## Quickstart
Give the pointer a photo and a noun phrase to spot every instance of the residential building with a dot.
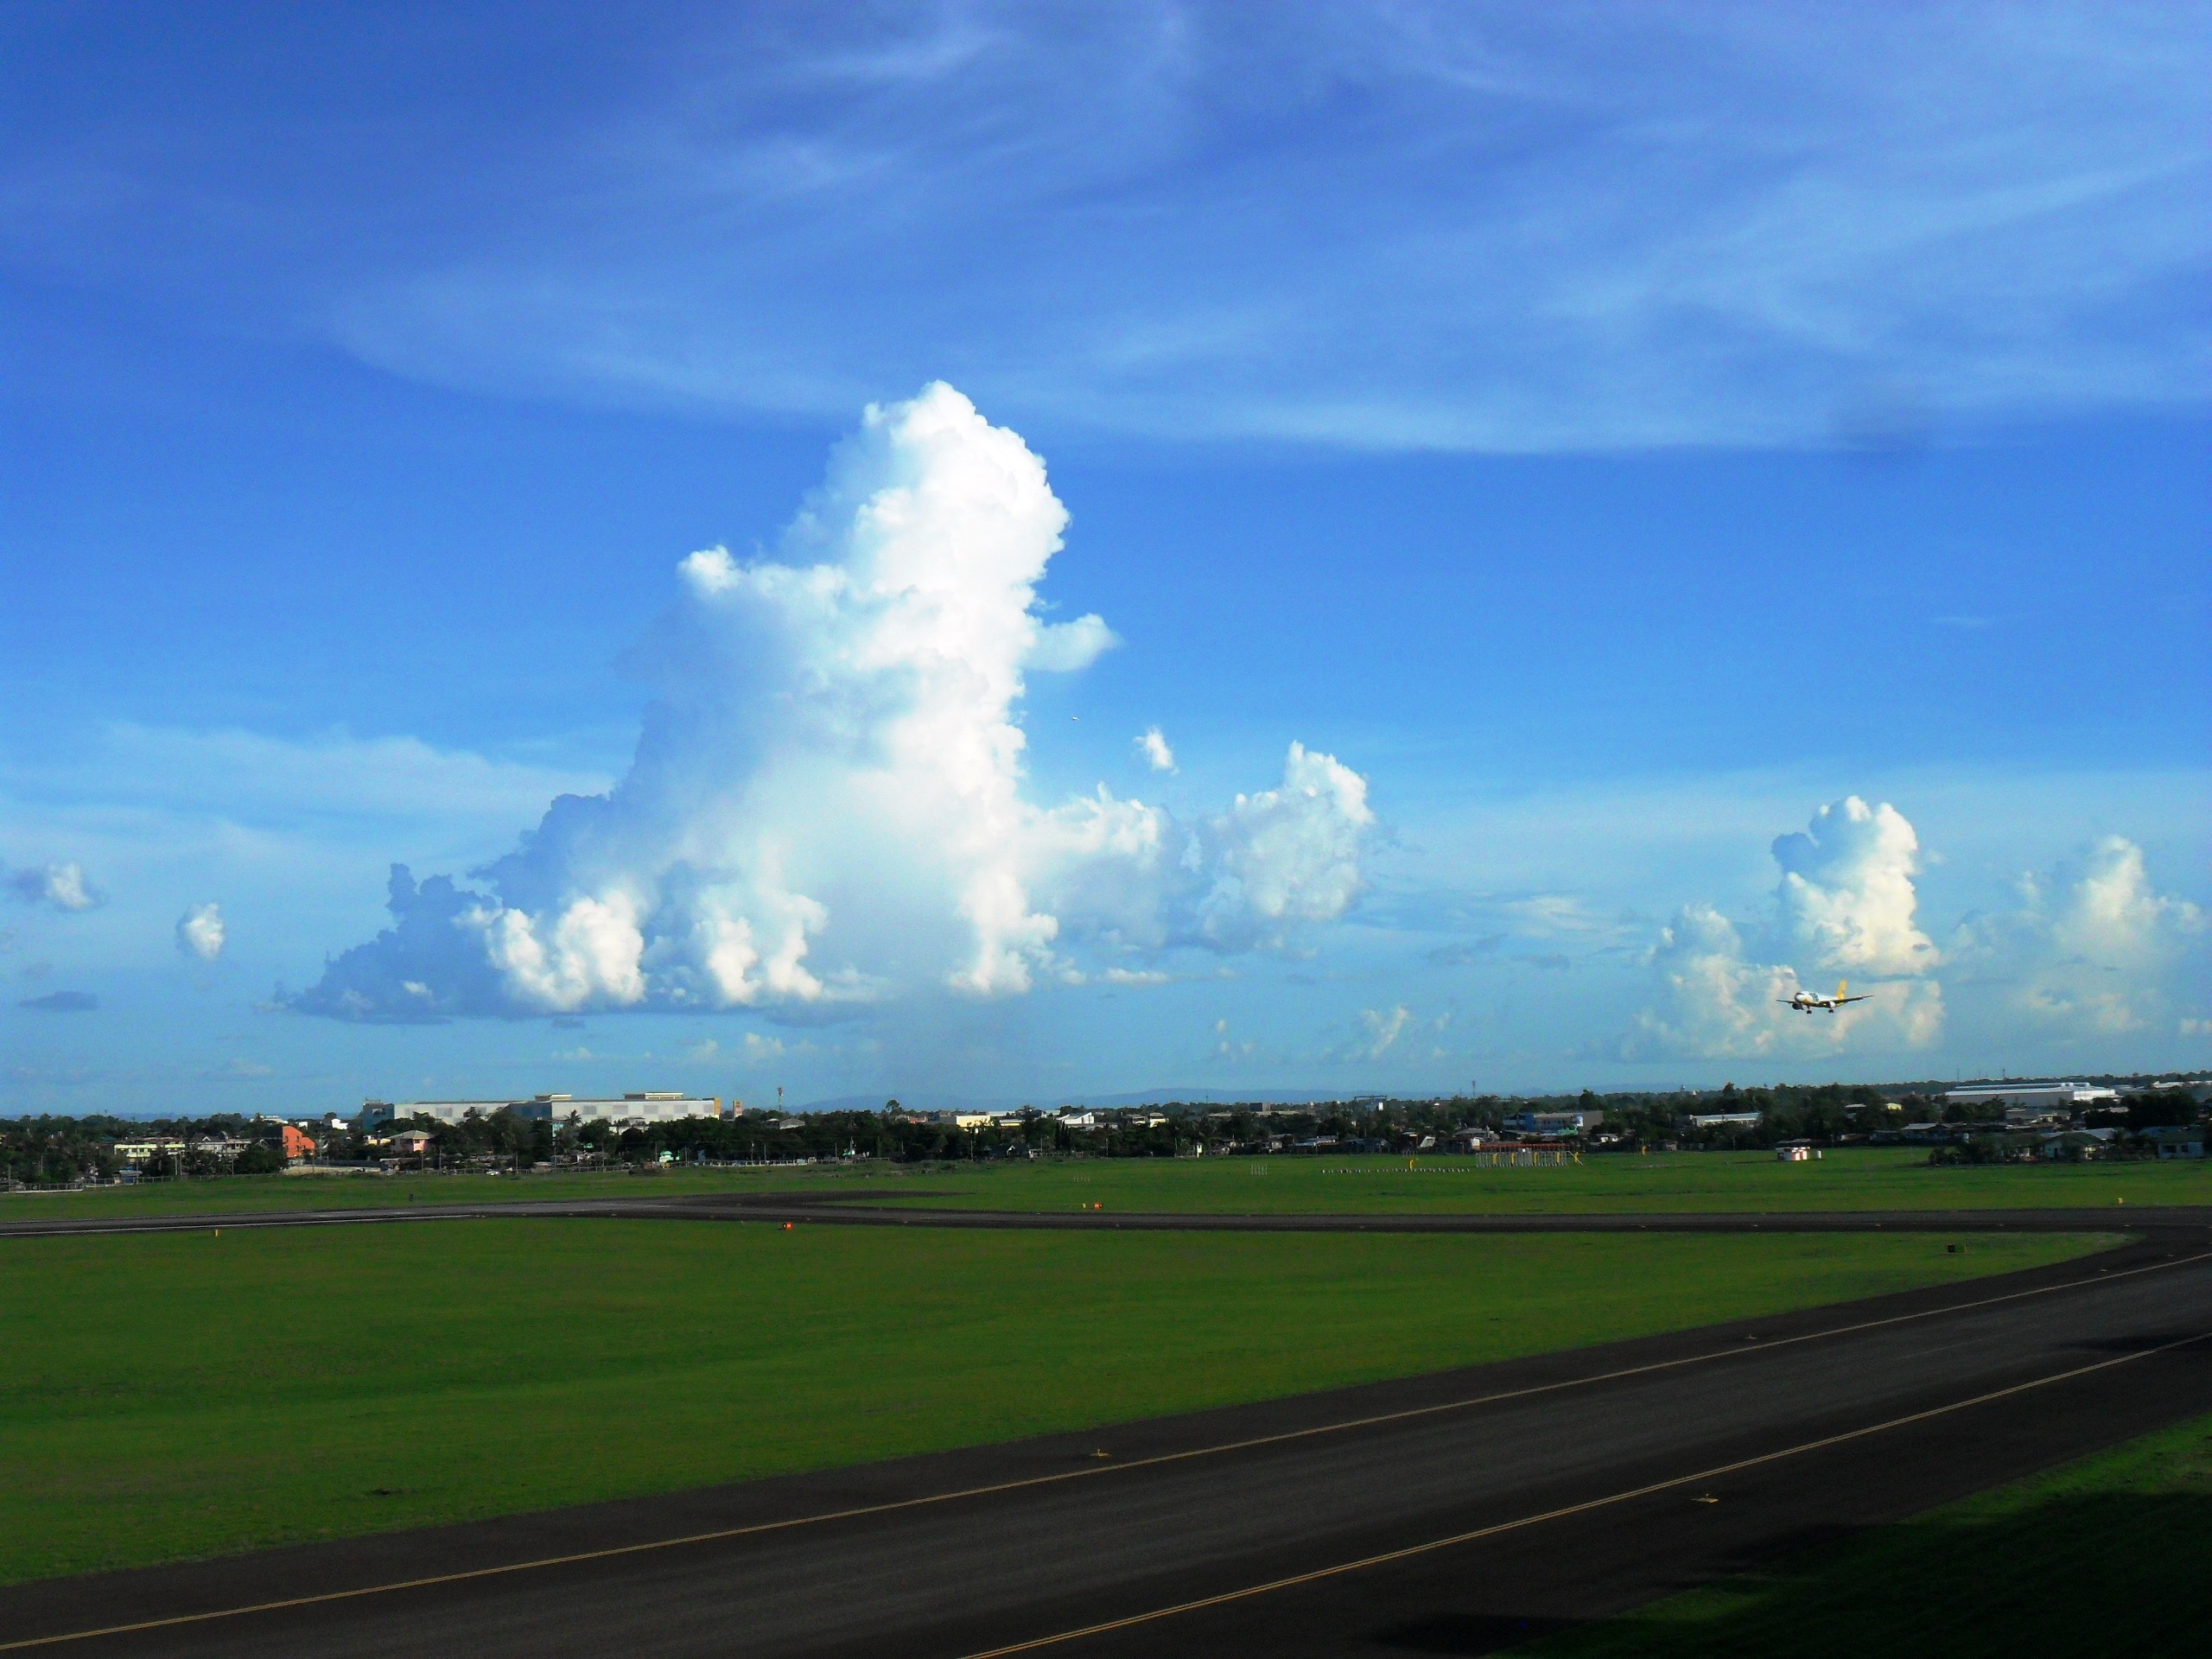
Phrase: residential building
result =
(2187, 1142)
(135, 1152)
(2078, 1144)
(221, 1147)
(1925, 1135)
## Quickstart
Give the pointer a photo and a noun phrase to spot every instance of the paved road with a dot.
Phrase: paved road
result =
(1449, 1513)
(872, 1209)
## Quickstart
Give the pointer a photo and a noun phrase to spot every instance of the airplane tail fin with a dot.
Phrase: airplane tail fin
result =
(1842, 987)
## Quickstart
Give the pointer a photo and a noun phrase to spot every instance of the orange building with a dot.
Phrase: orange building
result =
(296, 1146)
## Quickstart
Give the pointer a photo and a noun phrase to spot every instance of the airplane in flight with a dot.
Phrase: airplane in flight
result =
(1806, 1002)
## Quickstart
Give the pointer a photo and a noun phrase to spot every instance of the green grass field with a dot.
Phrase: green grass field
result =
(185, 1394)
(2103, 1556)
(1850, 1179)
(1602, 1183)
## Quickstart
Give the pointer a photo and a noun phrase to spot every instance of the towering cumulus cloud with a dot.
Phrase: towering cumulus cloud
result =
(1845, 905)
(1846, 897)
(826, 804)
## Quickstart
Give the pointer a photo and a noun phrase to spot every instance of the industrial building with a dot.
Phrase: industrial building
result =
(629, 1108)
(1549, 1126)
(2033, 1099)
(375, 1113)
(648, 1107)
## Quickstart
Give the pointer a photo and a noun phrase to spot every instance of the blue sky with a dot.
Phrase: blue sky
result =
(1608, 442)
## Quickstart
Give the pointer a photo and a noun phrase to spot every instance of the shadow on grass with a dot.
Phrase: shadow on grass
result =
(2101, 1573)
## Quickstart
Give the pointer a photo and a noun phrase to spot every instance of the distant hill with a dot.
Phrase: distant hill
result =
(917, 1101)
(1208, 1096)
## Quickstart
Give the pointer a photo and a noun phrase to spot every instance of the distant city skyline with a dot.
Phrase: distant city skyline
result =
(974, 556)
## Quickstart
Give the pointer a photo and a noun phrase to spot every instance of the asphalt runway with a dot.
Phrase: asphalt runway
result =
(1454, 1514)
(879, 1210)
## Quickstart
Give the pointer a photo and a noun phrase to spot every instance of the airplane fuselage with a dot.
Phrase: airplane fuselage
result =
(1806, 1002)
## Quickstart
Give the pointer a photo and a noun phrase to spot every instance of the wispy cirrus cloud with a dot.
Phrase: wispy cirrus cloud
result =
(1515, 229)
(258, 778)
(1395, 224)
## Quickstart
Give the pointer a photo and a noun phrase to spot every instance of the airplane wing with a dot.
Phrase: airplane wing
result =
(1840, 1001)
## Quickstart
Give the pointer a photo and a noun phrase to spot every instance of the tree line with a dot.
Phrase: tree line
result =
(49, 1150)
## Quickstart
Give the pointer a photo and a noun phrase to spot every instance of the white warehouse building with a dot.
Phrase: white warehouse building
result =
(629, 1108)
(2033, 1097)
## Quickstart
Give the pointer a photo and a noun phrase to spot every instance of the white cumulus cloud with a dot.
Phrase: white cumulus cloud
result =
(1846, 896)
(201, 933)
(1136, 976)
(2093, 948)
(60, 886)
(1153, 745)
(1845, 904)
(826, 805)
(1289, 855)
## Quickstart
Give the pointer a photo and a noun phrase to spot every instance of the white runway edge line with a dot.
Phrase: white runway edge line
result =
(1094, 1472)
(1700, 1477)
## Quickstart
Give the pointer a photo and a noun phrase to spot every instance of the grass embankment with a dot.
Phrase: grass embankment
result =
(1603, 1183)
(183, 1395)
(2103, 1556)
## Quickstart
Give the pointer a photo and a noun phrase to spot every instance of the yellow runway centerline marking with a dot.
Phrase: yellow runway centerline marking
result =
(1100, 1470)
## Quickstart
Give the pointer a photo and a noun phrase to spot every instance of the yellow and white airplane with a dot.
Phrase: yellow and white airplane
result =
(1806, 1002)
